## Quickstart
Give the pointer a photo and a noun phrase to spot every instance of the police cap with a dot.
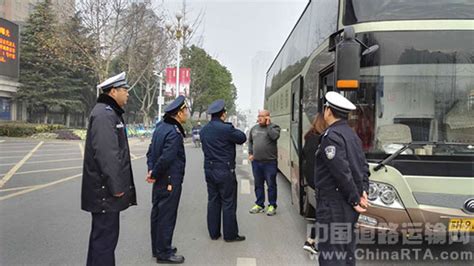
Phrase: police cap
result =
(117, 81)
(176, 105)
(216, 106)
(339, 102)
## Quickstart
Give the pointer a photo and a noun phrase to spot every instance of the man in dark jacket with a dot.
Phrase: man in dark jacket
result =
(107, 181)
(342, 182)
(218, 144)
(166, 161)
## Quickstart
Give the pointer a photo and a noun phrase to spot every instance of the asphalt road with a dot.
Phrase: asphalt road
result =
(41, 222)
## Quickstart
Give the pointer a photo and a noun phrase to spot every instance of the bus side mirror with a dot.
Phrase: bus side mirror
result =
(348, 61)
(348, 57)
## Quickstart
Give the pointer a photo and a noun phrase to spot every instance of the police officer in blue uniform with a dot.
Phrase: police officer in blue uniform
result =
(107, 178)
(166, 161)
(341, 182)
(218, 144)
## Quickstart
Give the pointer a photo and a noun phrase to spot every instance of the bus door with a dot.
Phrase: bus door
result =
(296, 143)
(326, 83)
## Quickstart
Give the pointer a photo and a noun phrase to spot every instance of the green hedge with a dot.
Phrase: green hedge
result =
(19, 129)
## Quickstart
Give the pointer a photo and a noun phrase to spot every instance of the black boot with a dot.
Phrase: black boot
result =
(174, 259)
(237, 239)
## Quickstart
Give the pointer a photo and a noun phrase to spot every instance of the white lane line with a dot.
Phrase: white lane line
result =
(54, 161)
(16, 188)
(245, 162)
(41, 155)
(67, 150)
(10, 157)
(244, 186)
(246, 262)
(47, 161)
(59, 154)
(2, 140)
(49, 170)
(56, 153)
(8, 144)
(18, 165)
(15, 151)
(81, 147)
(39, 187)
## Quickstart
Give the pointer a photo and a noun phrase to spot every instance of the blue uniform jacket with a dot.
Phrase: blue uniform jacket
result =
(341, 164)
(166, 157)
(218, 142)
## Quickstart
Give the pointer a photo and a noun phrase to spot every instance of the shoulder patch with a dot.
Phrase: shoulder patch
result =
(330, 152)
(108, 108)
(177, 129)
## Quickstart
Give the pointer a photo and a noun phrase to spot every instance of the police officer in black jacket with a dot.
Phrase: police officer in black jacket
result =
(218, 144)
(341, 182)
(107, 179)
(166, 161)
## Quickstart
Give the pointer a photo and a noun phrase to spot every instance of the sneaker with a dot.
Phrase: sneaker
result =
(256, 209)
(311, 248)
(271, 210)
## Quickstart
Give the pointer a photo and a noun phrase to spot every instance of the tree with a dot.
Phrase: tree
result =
(209, 80)
(44, 78)
(81, 74)
(148, 52)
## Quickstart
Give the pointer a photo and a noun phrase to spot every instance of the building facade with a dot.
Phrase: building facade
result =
(14, 14)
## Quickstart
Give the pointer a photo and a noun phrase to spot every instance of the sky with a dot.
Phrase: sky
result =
(234, 31)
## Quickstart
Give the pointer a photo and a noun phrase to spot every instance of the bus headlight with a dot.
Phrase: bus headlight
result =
(388, 196)
(384, 195)
(373, 191)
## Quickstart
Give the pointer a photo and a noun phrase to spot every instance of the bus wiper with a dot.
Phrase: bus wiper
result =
(391, 157)
(399, 151)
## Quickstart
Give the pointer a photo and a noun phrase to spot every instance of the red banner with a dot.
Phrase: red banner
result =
(184, 81)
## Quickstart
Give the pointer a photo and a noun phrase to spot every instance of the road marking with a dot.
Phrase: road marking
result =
(59, 154)
(55, 153)
(47, 161)
(71, 149)
(17, 144)
(244, 186)
(2, 140)
(39, 187)
(18, 165)
(49, 170)
(16, 188)
(246, 262)
(245, 162)
(134, 157)
(42, 155)
(54, 161)
(10, 157)
(139, 157)
(81, 147)
(15, 151)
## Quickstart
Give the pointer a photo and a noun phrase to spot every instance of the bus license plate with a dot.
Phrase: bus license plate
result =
(462, 225)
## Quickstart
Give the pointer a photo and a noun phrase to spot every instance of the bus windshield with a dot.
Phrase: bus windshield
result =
(356, 11)
(417, 90)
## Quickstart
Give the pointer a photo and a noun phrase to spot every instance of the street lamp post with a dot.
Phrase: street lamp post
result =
(178, 32)
(160, 99)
